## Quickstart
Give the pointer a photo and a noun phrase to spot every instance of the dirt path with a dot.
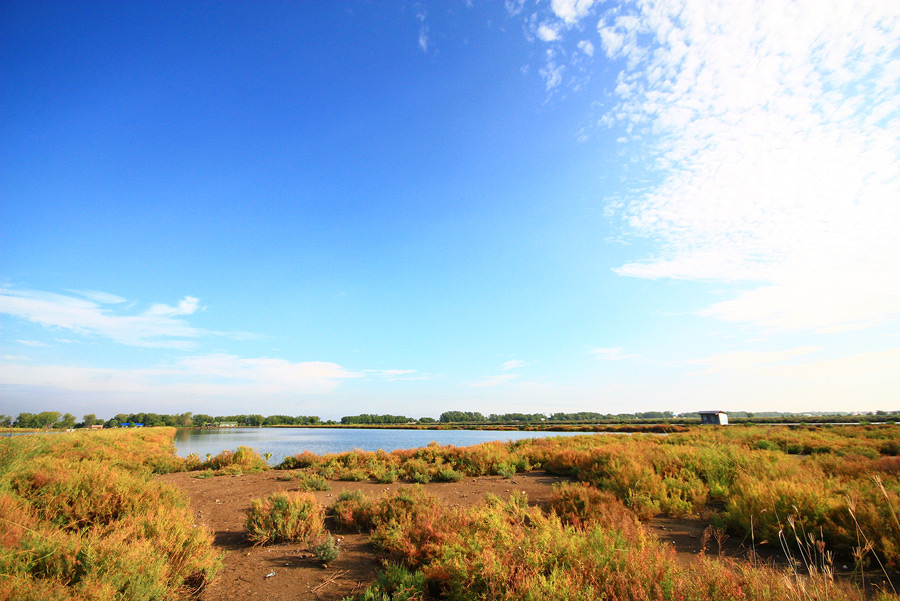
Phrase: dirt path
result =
(220, 503)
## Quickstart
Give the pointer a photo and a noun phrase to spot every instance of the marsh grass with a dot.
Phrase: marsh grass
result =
(820, 493)
(747, 479)
(82, 518)
(510, 550)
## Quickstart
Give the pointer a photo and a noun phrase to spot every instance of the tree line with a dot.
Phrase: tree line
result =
(47, 420)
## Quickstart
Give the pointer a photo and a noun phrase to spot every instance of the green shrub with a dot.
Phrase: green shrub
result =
(449, 475)
(396, 583)
(387, 476)
(243, 460)
(506, 469)
(285, 516)
(308, 482)
(326, 550)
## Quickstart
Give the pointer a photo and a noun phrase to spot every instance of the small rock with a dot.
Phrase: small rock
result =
(270, 574)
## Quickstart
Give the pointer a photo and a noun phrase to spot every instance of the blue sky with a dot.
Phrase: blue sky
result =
(346, 207)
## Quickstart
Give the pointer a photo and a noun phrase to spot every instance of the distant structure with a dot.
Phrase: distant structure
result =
(95, 427)
(716, 418)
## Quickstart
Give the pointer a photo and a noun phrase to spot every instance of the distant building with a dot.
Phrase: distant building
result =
(717, 418)
(96, 427)
(227, 424)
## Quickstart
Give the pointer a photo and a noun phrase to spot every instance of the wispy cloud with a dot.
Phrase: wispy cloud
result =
(745, 360)
(492, 381)
(423, 30)
(587, 47)
(513, 364)
(32, 343)
(160, 326)
(214, 374)
(775, 134)
(612, 353)
(396, 375)
(101, 297)
(552, 72)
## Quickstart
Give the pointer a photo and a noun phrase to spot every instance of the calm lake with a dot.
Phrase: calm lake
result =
(282, 442)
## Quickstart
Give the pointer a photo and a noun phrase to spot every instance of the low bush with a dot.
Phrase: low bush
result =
(308, 482)
(285, 516)
(242, 460)
(354, 511)
(327, 549)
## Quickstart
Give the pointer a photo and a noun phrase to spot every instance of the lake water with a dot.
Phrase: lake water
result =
(282, 442)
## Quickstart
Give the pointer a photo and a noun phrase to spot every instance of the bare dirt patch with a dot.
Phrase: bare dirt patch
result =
(288, 571)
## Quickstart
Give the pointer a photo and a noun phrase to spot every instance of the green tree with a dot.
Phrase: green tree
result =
(25, 420)
(67, 421)
(46, 419)
(89, 420)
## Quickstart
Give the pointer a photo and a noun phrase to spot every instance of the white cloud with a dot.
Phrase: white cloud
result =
(612, 353)
(547, 33)
(492, 381)
(587, 47)
(571, 11)
(775, 131)
(33, 343)
(552, 72)
(745, 360)
(187, 306)
(513, 364)
(158, 327)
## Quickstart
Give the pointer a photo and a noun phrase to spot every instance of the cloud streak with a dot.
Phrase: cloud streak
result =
(160, 326)
(201, 375)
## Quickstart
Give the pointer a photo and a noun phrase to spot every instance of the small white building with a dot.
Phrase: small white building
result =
(716, 418)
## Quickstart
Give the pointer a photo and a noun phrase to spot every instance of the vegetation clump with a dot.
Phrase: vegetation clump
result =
(83, 518)
(242, 460)
(285, 516)
(326, 550)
